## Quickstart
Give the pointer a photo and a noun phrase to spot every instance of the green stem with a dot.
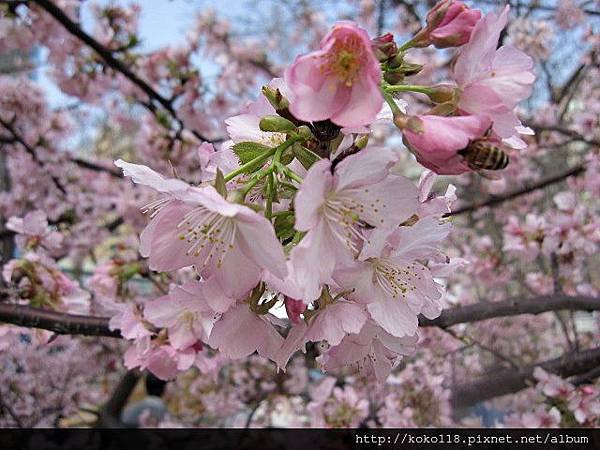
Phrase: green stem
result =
(255, 179)
(406, 46)
(250, 164)
(270, 189)
(288, 172)
(282, 213)
(390, 101)
(260, 159)
(408, 88)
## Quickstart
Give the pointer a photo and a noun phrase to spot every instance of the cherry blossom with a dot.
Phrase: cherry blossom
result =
(338, 82)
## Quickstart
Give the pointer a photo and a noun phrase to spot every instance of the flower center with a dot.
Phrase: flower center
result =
(343, 213)
(393, 278)
(345, 59)
(210, 234)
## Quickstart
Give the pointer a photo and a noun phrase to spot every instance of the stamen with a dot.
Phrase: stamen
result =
(395, 280)
(210, 235)
(345, 59)
(155, 206)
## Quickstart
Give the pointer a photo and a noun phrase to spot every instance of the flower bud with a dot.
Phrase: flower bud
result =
(410, 123)
(362, 141)
(276, 123)
(443, 93)
(450, 23)
(275, 98)
(440, 139)
(384, 47)
(304, 132)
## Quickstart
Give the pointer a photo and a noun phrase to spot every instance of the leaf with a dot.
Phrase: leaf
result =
(220, 184)
(305, 156)
(247, 151)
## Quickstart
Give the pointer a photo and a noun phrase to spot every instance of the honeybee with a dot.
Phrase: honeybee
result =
(482, 154)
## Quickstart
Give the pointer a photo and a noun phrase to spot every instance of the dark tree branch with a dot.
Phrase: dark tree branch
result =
(96, 167)
(493, 201)
(110, 413)
(576, 136)
(17, 138)
(59, 323)
(509, 381)
(116, 64)
(513, 307)
(587, 377)
(381, 17)
(62, 323)
(29, 149)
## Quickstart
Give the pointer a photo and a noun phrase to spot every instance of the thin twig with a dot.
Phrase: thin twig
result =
(116, 64)
(496, 200)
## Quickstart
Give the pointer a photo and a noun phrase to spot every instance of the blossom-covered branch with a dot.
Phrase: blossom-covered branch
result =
(15, 137)
(116, 64)
(507, 381)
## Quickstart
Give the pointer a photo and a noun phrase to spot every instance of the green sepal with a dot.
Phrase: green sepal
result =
(220, 184)
(305, 156)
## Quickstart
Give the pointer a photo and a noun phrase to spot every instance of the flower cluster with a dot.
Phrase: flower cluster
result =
(565, 405)
(299, 210)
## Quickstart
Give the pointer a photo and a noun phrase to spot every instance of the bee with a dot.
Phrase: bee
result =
(482, 154)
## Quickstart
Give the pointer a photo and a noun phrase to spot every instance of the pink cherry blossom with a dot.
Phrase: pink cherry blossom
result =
(493, 82)
(388, 279)
(240, 332)
(332, 209)
(33, 230)
(336, 407)
(163, 361)
(373, 352)
(431, 205)
(197, 226)
(129, 322)
(330, 323)
(339, 82)
(185, 313)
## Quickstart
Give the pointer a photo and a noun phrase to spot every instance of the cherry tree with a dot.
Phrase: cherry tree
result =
(340, 217)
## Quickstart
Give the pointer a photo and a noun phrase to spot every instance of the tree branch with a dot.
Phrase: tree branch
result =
(96, 167)
(29, 149)
(116, 64)
(17, 138)
(63, 323)
(59, 323)
(493, 201)
(110, 414)
(508, 381)
(575, 135)
(512, 307)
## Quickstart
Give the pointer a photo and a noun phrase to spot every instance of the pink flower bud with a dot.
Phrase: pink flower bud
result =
(450, 23)
(294, 308)
(384, 47)
(437, 143)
